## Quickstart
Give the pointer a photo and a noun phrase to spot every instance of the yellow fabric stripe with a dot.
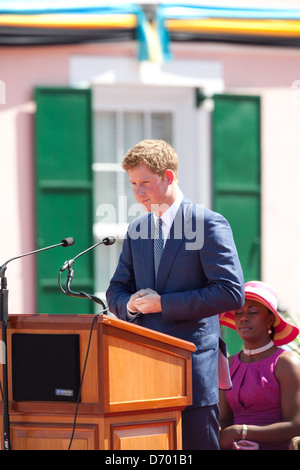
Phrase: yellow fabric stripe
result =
(70, 21)
(254, 27)
(154, 46)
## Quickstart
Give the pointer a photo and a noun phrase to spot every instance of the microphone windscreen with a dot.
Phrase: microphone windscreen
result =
(69, 241)
(109, 240)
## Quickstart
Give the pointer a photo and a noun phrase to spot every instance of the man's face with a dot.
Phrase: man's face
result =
(149, 189)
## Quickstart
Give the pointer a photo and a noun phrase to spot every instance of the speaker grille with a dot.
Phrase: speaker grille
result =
(45, 367)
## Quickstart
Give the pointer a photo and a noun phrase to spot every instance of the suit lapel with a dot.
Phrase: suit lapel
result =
(174, 242)
(180, 228)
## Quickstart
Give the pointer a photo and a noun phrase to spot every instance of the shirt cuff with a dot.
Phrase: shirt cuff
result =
(130, 314)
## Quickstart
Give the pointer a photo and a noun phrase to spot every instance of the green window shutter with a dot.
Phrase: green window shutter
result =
(236, 180)
(64, 195)
(236, 174)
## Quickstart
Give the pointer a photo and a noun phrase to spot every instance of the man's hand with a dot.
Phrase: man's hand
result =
(145, 301)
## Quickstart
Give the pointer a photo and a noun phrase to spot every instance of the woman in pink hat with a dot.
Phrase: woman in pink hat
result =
(262, 410)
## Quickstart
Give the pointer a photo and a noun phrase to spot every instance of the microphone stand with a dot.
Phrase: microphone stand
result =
(83, 295)
(69, 265)
(4, 320)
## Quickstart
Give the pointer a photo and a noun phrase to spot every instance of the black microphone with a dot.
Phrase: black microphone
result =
(106, 241)
(69, 241)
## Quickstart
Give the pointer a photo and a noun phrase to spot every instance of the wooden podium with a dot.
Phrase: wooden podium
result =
(136, 384)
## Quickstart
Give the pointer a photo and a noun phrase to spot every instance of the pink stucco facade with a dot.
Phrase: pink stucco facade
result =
(271, 73)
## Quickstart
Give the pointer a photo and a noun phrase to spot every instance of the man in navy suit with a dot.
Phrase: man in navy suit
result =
(199, 277)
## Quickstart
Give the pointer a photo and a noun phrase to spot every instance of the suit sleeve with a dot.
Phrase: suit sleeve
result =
(224, 287)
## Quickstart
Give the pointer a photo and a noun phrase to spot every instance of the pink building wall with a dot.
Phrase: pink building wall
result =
(268, 72)
(22, 70)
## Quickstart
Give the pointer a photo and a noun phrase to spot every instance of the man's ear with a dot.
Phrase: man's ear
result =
(169, 175)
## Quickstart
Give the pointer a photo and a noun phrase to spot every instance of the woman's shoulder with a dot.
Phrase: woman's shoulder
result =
(288, 365)
(289, 357)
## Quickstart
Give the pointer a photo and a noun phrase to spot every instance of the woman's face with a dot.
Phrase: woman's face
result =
(253, 322)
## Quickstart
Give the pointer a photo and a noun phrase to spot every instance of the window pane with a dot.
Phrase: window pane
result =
(133, 129)
(114, 200)
(105, 143)
(161, 126)
(131, 201)
(106, 261)
(115, 134)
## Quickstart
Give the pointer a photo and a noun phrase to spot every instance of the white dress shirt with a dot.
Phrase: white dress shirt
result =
(167, 219)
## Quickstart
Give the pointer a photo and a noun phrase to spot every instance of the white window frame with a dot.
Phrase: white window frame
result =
(178, 101)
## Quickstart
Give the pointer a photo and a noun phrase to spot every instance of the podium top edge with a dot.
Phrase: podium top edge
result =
(148, 333)
(80, 321)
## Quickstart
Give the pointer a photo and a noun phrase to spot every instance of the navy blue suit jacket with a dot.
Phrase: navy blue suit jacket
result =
(199, 277)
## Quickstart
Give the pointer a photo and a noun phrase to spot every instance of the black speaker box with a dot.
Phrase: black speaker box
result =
(45, 367)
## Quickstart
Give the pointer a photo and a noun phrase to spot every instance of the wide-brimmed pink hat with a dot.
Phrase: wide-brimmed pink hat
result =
(285, 332)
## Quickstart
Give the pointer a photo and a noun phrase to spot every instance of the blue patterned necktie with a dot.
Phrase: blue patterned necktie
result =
(158, 244)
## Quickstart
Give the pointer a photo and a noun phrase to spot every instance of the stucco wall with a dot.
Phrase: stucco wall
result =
(268, 72)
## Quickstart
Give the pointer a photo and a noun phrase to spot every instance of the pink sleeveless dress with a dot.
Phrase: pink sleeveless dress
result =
(255, 395)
